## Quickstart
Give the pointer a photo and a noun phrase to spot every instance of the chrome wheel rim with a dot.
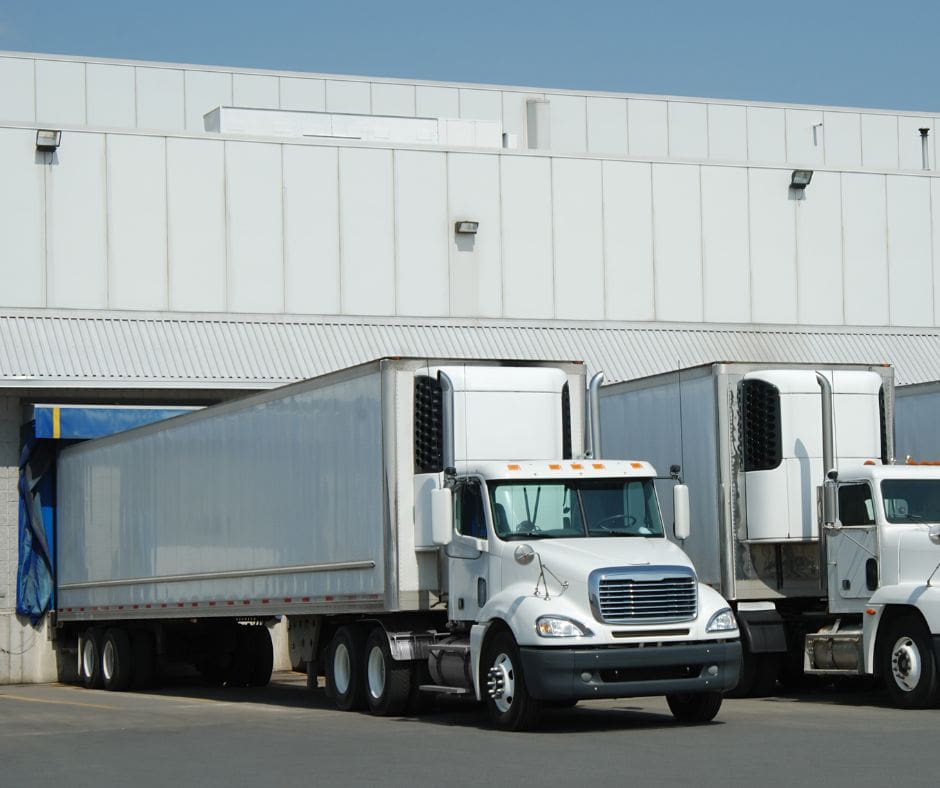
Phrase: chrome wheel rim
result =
(88, 658)
(502, 682)
(341, 668)
(906, 664)
(376, 672)
(107, 661)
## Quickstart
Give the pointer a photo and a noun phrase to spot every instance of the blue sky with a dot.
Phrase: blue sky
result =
(840, 52)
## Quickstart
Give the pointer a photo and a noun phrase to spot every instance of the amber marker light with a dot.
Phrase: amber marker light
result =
(598, 466)
(514, 467)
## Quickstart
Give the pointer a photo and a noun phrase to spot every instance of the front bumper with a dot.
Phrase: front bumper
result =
(621, 672)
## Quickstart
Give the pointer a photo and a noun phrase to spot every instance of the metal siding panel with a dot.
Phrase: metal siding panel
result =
(17, 90)
(727, 133)
(60, 92)
(568, 123)
(367, 234)
(866, 264)
(255, 90)
(628, 241)
(160, 102)
(348, 96)
(773, 247)
(480, 104)
(311, 230)
(607, 125)
(137, 259)
(434, 102)
(255, 227)
(688, 130)
(935, 244)
(204, 91)
(392, 99)
(111, 99)
(196, 224)
(578, 239)
(528, 268)
(422, 233)
(473, 192)
(677, 242)
(307, 95)
(514, 114)
(819, 251)
(804, 148)
(22, 225)
(76, 215)
(910, 264)
(725, 259)
(880, 141)
(766, 135)
(647, 128)
(910, 149)
(842, 133)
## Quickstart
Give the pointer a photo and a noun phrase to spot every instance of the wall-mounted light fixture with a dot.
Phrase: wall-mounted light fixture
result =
(466, 227)
(800, 179)
(48, 139)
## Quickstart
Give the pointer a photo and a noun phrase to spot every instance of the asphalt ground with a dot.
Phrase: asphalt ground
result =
(186, 734)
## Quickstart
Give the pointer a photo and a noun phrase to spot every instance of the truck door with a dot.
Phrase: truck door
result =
(467, 554)
(852, 549)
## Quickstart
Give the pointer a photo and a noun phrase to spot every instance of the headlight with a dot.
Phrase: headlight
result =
(722, 621)
(559, 627)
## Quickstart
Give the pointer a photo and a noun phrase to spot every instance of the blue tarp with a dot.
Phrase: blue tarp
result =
(52, 428)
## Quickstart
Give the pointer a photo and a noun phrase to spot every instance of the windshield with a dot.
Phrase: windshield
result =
(911, 500)
(575, 508)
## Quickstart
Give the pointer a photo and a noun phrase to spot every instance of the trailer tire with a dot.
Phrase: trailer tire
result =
(262, 656)
(908, 663)
(90, 659)
(344, 667)
(510, 706)
(387, 680)
(116, 660)
(143, 655)
(694, 708)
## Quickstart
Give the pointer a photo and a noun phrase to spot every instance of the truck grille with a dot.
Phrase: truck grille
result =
(643, 594)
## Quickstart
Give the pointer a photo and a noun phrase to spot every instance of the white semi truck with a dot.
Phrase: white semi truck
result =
(828, 552)
(427, 526)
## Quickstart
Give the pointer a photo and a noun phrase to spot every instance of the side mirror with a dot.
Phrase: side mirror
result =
(442, 515)
(680, 508)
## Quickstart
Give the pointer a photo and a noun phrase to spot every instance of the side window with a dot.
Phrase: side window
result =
(469, 515)
(855, 505)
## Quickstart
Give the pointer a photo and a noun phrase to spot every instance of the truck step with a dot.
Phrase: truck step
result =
(443, 690)
(450, 648)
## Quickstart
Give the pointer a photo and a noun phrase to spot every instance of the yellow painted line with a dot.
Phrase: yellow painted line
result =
(56, 422)
(57, 702)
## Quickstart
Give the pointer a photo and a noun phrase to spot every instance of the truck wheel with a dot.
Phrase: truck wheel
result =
(90, 659)
(388, 681)
(908, 664)
(143, 655)
(694, 707)
(344, 663)
(262, 653)
(759, 673)
(508, 701)
(116, 660)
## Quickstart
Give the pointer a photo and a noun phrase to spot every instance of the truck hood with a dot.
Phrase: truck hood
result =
(577, 558)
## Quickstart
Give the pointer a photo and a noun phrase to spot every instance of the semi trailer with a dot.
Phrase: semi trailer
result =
(917, 422)
(428, 527)
(827, 550)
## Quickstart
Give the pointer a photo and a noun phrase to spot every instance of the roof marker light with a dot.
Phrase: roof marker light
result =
(869, 462)
(554, 466)
(598, 466)
(576, 466)
(513, 467)
(636, 464)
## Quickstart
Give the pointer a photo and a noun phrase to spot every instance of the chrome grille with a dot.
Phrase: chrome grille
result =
(644, 594)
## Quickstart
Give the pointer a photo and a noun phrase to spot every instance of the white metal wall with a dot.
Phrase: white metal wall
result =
(153, 222)
(58, 90)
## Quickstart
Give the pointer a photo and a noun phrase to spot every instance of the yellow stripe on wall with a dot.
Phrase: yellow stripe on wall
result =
(56, 423)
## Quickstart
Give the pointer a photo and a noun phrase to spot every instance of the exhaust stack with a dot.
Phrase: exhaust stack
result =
(593, 442)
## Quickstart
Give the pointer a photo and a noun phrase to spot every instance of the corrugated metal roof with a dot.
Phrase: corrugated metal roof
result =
(55, 349)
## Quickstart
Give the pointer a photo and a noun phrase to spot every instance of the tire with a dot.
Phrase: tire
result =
(758, 679)
(116, 660)
(510, 706)
(144, 656)
(908, 663)
(694, 708)
(262, 656)
(387, 681)
(241, 660)
(344, 668)
(90, 659)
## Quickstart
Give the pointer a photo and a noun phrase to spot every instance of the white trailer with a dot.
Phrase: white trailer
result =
(426, 525)
(841, 583)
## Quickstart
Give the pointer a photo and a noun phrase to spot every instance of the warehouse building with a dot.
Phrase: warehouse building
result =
(180, 234)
